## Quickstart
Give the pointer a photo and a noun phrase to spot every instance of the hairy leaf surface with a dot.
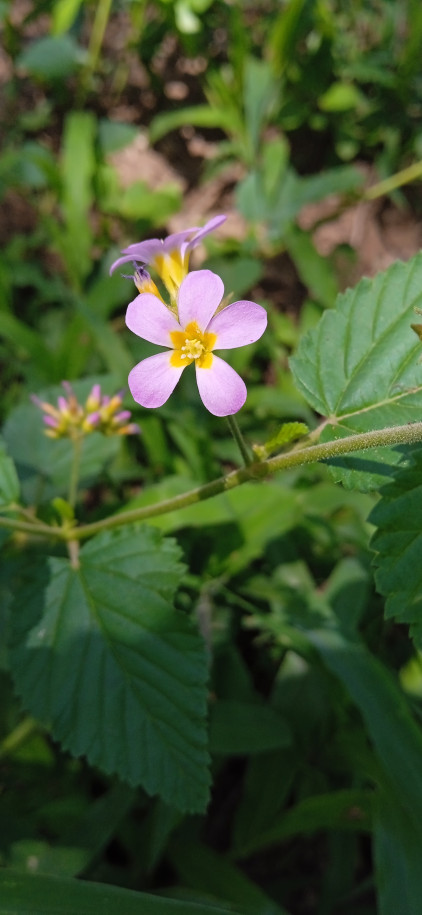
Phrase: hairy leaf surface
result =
(360, 368)
(102, 657)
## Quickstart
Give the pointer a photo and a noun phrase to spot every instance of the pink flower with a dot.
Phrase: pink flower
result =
(168, 256)
(193, 338)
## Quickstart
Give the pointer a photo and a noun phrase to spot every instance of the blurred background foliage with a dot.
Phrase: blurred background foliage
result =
(259, 109)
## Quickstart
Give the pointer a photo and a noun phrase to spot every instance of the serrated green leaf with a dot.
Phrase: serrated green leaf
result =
(41, 895)
(360, 368)
(398, 544)
(101, 656)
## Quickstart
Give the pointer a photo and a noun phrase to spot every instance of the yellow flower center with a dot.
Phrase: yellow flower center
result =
(192, 345)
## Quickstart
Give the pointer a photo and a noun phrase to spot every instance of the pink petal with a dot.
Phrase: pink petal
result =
(200, 294)
(150, 319)
(152, 381)
(145, 251)
(238, 324)
(221, 389)
(177, 240)
(209, 226)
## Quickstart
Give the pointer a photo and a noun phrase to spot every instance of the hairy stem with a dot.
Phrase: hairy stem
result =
(396, 435)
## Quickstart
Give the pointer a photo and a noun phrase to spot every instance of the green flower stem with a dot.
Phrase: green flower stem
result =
(240, 441)
(405, 176)
(74, 470)
(396, 435)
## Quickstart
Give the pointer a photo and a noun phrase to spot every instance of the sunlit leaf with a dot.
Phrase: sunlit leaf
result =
(360, 368)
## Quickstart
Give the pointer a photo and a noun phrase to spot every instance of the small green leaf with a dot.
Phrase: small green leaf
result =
(198, 116)
(289, 432)
(342, 97)
(115, 135)
(398, 544)
(360, 368)
(52, 57)
(101, 657)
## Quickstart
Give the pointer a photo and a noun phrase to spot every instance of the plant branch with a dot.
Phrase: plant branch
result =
(410, 433)
(396, 435)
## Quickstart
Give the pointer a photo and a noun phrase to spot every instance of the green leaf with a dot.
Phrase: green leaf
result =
(211, 873)
(101, 656)
(360, 368)
(115, 135)
(288, 432)
(395, 735)
(52, 57)
(239, 728)
(40, 895)
(77, 171)
(397, 845)
(342, 97)
(63, 14)
(9, 482)
(398, 544)
(348, 809)
(197, 115)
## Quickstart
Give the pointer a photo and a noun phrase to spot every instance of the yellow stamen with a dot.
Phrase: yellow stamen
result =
(192, 345)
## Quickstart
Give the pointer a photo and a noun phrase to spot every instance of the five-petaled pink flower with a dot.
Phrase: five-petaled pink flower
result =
(193, 338)
(169, 256)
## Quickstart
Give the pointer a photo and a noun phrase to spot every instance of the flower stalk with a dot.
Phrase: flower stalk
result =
(240, 441)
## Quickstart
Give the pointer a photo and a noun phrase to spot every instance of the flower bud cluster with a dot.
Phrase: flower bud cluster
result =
(99, 413)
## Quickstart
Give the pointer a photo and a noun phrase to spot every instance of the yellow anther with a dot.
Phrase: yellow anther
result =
(192, 349)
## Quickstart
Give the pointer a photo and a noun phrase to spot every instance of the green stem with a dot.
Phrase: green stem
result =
(405, 176)
(97, 36)
(240, 441)
(410, 433)
(18, 737)
(397, 435)
(74, 471)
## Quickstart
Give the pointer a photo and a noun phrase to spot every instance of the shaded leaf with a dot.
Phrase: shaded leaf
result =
(101, 656)
(246, 728)
(398, 543)
(40, 895)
